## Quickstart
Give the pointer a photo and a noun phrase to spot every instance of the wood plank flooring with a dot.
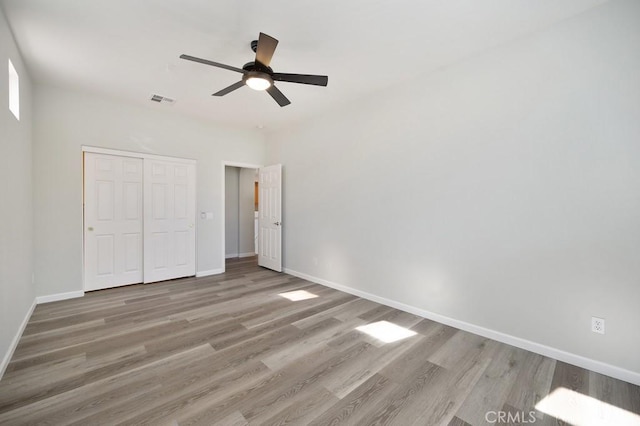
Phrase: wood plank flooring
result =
(228, 350)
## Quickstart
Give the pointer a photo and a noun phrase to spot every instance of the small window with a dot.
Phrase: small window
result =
(14, 91)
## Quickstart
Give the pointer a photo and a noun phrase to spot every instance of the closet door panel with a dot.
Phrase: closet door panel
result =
(112, 221)
(169, 222)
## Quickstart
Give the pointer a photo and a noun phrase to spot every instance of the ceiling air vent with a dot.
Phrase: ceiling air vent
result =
(161, 99)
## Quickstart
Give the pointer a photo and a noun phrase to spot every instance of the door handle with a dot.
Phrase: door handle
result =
(277, 223)
(90, 228)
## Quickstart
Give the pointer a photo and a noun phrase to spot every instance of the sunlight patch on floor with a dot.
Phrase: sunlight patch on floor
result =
(386, 331)
(296, 295)
(578, 409)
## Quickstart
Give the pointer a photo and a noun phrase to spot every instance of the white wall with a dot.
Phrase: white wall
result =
(239, 208)
(503, 191)
(65, 120)
(17, 293)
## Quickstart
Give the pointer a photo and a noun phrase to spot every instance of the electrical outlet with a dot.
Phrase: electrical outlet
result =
(597, 325)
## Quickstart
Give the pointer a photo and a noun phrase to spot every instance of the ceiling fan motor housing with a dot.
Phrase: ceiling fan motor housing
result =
(257, 66)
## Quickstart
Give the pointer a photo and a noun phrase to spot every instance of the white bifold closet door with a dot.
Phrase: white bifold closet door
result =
(113, 221)
(139, 220)
(169, 220)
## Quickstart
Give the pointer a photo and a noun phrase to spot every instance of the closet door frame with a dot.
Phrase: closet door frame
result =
(143, 156)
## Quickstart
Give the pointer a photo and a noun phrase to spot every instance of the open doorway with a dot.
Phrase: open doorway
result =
(241, 212)
(269, 206)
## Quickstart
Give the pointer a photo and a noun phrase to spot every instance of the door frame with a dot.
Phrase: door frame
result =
(133, 154)
(223, 229)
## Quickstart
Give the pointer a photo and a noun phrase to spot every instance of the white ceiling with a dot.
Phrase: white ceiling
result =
(129, 49)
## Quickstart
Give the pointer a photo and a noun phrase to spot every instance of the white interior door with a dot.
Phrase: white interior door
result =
(113, 221)
(169, 219)
(270, 217)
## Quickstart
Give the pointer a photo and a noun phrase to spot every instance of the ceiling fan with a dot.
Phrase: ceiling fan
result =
(258, 75)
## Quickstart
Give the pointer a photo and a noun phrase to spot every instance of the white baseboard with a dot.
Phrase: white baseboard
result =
(16, 339)
(235, 255)
(209, 272)
(59, 296)
(558, 354)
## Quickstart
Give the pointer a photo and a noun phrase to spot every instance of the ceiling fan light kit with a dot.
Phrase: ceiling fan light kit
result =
(258, 75)
(257, 80)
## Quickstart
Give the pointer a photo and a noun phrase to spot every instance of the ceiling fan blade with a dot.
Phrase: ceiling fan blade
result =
(215, 64)
(278, 96)
(266, 47)
(316, 80)
(229, 89)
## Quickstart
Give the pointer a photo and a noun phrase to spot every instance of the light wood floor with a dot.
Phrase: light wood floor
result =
(228, 350)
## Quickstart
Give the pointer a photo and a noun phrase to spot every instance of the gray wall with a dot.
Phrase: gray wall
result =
(17, 293)
(239, 208)
(231, 209)
(246, 213)
(502, 191)
(65, 120)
